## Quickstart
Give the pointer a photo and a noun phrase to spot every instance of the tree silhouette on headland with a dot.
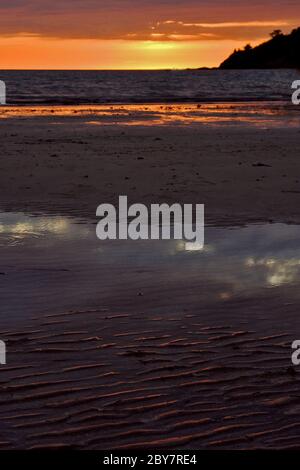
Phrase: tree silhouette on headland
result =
(281, 51)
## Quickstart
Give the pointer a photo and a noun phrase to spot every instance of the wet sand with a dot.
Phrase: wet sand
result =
(99, 380)
(241, 163)
(167, 355)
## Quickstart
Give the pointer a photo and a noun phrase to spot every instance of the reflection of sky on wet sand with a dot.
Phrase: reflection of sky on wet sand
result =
(39, 227)
(56, 262)
(254, 113)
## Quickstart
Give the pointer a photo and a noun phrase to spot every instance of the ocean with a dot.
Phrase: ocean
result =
(161, 86)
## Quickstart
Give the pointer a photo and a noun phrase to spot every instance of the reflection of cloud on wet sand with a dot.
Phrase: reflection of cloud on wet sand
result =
(277, 271)
(231, 263)
(57, 225)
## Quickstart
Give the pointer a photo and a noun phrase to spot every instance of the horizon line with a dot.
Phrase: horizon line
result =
(110, 70)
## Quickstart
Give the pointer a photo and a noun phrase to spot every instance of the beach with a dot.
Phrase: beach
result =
(150, 345)
(241, 161)
(149, 231)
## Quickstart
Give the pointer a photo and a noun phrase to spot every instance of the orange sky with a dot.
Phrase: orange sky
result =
(134, 34)
(44, 53)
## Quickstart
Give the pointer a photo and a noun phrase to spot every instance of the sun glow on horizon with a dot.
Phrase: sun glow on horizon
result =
(33, 52)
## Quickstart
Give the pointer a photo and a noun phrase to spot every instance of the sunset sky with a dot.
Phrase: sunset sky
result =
(134, 34)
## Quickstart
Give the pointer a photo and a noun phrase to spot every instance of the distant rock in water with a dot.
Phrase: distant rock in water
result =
(281, 51)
